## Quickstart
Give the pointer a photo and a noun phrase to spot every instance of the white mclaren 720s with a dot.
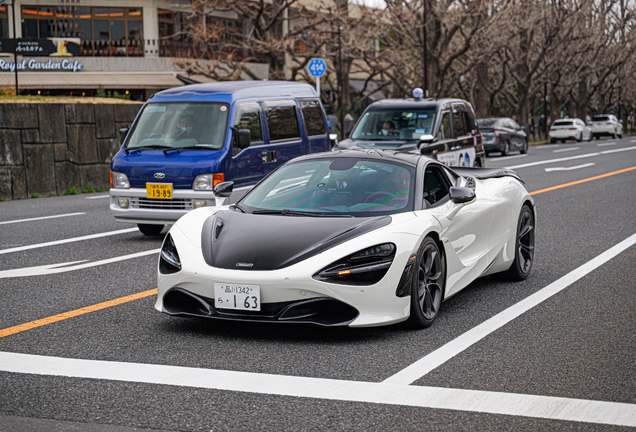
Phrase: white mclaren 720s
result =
(348, 238)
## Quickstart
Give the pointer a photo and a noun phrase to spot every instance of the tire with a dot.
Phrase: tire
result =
(591, 136)
(524, 149)
(506, 149)
(427, 286)
(552, 140)
(524, 246)
(580, 138)
(150, 230)
(614, 135)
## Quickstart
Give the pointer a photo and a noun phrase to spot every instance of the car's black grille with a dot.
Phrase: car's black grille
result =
(162, 204)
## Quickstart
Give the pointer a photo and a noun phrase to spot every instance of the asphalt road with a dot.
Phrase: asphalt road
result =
(562, 356)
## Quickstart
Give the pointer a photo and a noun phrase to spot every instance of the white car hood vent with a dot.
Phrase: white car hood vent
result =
(269, 242)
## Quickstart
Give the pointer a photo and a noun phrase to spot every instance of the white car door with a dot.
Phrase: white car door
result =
(465, 228)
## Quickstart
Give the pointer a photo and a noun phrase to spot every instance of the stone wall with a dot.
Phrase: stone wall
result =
(45, 148)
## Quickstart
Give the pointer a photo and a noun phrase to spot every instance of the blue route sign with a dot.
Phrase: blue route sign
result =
(317, 67)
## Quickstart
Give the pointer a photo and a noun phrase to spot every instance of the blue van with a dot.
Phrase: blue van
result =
(188, 141)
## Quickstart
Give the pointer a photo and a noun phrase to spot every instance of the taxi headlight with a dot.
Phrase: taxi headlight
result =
(365, 267)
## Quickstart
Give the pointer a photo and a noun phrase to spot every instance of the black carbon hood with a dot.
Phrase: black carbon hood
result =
(243, 241)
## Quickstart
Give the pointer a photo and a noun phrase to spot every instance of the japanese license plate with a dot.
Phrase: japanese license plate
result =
(241, 297)
(159, 190)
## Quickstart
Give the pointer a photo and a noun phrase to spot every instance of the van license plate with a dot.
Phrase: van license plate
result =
(241, 297)
(159, 190)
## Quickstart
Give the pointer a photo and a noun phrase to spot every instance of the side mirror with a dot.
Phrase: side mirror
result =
(460, 195)
(224, 190)
(244, 138)
(122, 133)
(334, 140)
(426, 140)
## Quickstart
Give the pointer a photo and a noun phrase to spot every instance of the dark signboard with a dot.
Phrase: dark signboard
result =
(51, 47)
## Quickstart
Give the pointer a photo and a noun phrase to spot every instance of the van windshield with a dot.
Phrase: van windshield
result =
(394, 125)
(180, 126)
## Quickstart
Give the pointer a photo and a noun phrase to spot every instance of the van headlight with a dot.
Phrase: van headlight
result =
(119, 180)
(207, 182)
(365, 267)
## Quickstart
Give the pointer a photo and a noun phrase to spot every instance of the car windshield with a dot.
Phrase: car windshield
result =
(334, 187)
(600, 118)
(394, 124)
(174, 126)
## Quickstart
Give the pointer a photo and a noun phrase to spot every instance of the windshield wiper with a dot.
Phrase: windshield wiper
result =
(236, 206)
(288, 212)
(151, 147)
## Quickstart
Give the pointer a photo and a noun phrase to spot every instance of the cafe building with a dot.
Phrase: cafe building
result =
(93, 47)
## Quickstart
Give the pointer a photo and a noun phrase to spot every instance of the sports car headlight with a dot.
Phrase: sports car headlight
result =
(169, 261)
(365, 267)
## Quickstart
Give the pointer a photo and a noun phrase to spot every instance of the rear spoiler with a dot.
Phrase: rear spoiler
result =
(485, 173)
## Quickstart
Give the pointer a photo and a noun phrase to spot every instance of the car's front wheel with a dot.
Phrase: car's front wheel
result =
(524, 149)
(152, 230)
(427, 288)
(524, 246)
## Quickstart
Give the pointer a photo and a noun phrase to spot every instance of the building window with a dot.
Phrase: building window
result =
(4, 23)
(103, 30)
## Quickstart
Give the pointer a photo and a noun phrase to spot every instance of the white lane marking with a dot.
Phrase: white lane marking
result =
(440, 356)
(632, 141)
(607, 144)
(508, 157)
(566, 149)
(98, 197)
(68, 266)
(570, 168)
(583, 156)
(69, 240)
(547, 407)
(545, 146)
(42, 218)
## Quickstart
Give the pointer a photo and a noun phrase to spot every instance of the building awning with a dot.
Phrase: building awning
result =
(93, 80)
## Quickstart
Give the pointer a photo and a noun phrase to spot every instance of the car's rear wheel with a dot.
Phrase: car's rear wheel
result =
(151, 230)
(427, 288)
(580, 137)
(524, 246)
(506, 149)
(524, 149)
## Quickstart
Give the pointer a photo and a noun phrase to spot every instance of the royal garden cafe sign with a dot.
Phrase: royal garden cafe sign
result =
(61, 48)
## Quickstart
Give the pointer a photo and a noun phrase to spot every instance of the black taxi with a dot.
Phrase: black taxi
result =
(444, 129)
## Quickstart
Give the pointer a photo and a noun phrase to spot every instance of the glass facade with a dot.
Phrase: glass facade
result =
(104, 31)
(4, 22)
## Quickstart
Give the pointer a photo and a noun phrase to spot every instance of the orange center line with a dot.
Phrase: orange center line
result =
(77, 312)
(582, 181)
(126, 299)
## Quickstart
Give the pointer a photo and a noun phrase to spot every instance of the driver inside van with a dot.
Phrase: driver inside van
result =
(186, 127)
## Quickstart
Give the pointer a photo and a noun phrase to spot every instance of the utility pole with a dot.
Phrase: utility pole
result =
(424, 50)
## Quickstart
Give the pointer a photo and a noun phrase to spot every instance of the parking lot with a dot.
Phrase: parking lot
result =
(82, 347)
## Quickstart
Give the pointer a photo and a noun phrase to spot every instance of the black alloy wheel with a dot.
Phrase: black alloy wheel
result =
(524, 246)
(150, 230)
(427, 290)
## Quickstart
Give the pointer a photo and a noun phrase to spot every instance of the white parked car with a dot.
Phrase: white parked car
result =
(348, 238)
(570, 129)
(606, 125)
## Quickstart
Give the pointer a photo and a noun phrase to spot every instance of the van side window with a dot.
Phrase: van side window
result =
(248, 117)
(459, 126)
(314, 121)
(282, 121)
(444, 128)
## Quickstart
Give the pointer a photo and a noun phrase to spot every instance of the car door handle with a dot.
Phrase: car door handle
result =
(268, 156)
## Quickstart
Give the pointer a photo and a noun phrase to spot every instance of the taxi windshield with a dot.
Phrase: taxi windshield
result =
(394, 125)
(174, 126)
